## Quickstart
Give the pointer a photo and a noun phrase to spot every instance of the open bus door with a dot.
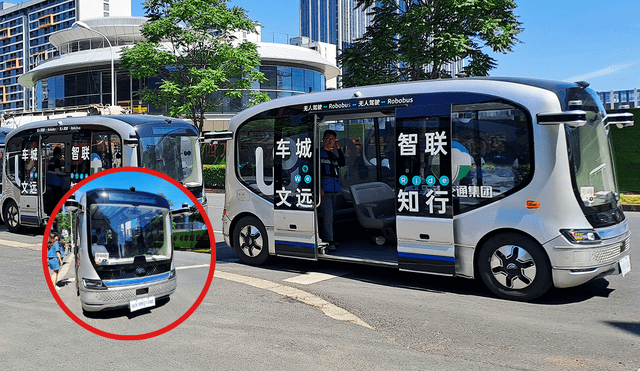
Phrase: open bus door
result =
(296, 189)
(424, 204)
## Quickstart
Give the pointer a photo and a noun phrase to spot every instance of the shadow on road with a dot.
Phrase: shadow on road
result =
(631, 327)
(432, 283)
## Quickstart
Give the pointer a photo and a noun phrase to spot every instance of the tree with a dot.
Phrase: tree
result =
(190, 47)
(415, 39)
(64, 222)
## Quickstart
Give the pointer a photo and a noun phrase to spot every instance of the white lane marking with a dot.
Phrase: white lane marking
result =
(313, 277)
(193, 266)
(327, 308)
(23, 245)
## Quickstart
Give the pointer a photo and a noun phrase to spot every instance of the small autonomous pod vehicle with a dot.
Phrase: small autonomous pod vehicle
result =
(123, 249)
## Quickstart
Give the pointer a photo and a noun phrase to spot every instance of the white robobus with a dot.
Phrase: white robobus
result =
(43, 160)
(510, 180)
(123, 249)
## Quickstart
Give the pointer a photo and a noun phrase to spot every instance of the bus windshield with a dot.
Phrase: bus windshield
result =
(172, 151)
(121, 233)
(591, 158)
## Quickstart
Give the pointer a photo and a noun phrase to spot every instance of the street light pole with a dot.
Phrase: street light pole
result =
(113, 70)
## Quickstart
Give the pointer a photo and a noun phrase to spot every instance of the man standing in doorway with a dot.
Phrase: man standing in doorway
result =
(330, 162)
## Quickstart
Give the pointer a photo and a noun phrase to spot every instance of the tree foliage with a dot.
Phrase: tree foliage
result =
(189, 46)
(415, 39)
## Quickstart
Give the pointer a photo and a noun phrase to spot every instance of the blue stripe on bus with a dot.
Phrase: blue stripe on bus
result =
(426, 257)
(295, 243)
(137, 281)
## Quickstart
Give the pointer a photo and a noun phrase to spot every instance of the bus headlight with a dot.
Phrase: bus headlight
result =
(172, 274)
(581, 236)
(94, 284)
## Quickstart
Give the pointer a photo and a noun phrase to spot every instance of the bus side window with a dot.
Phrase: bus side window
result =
(106, 146)
(251, 135)
(492, 152)
(12, 153)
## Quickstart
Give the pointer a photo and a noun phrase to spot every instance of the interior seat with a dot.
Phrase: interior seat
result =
(375, 205)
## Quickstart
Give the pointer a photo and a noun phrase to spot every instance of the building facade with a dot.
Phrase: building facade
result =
(613, 99)
(337, 22)
(25, 29)
(80, 76)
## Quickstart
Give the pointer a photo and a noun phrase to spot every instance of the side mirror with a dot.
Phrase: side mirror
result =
(72, 205)
(217, 136)
(575, 118)
(621, 120)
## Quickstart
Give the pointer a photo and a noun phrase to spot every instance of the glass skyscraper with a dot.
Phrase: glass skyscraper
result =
(333, 21)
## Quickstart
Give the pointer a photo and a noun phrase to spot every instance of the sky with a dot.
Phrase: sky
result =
(566, 40)
(142, 182)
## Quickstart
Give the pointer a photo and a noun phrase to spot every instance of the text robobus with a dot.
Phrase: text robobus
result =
(43, 160)
(511, 180)
(123, 249)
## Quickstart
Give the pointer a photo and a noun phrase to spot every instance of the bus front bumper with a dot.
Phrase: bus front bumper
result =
(114, 298)
(573, 266)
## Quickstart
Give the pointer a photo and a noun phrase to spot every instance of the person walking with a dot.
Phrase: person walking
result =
(54, 258)
(331, 159)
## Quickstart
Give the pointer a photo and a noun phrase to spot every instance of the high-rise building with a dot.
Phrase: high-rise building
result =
(336, 22)
(24, 38)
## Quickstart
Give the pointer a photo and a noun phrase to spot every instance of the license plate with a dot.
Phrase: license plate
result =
(142, 303)
(625, 265)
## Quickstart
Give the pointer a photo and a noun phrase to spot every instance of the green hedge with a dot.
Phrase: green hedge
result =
(626, 151)
(214, 175)
(194, 240)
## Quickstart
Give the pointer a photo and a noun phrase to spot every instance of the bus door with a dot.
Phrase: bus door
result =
(424, 219)
(53, 179)
(295, 187)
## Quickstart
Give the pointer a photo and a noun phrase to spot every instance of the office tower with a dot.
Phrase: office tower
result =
(333, 21)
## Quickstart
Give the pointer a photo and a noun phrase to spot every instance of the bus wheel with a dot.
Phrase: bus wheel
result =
(12, 216)
(514, 267)
(250, 241)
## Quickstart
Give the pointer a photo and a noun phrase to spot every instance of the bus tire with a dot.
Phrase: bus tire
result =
(11, 216)
(514, 267)
(250, 241)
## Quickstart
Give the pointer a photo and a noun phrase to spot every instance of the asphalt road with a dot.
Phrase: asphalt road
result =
(298, 315)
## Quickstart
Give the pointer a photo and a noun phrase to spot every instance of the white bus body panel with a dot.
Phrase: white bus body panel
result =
(550, 185)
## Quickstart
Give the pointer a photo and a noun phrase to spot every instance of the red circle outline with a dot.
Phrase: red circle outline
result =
(167, 328)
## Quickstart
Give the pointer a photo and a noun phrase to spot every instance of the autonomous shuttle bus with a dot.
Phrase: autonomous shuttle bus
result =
(509, 180)
(123, 249)
(43, 160)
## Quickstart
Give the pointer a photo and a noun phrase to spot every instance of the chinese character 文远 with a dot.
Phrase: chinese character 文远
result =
(407, 144)
(304, 198)
(435, 143)
(283, 194)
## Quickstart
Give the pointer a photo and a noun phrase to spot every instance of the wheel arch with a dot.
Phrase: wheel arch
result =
(236, 219)
(498, 232)
(3, 204)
